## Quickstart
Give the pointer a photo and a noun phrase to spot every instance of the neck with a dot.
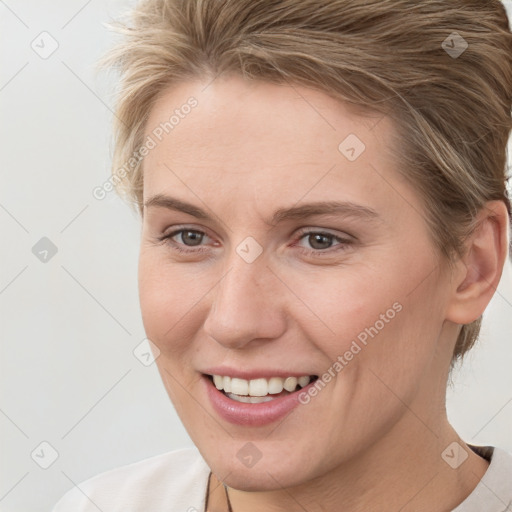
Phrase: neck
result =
(403, 472)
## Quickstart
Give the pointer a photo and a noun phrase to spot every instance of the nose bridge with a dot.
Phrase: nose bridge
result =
(243, 306)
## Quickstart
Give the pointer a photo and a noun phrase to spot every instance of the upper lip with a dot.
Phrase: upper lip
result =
(250, 374)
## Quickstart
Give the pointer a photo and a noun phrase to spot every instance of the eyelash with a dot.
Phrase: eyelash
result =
(167, 239)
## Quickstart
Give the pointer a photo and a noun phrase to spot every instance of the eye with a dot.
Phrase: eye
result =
(189, 238)
(189, 235)
(321, 242)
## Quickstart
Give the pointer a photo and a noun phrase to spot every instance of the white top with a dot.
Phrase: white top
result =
(176, 482)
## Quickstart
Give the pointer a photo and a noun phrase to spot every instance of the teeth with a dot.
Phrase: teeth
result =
(275, 385)
(290, 384)
(303, 381)
(257, 389)
(239, 386)
(226, 384)
(218, 381)
(250, 399)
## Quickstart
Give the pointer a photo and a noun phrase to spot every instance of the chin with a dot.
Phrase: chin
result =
(263, 478)
(273, 472)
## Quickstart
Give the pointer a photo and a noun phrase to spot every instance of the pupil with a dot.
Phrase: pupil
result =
(195, 236)
(319, 238)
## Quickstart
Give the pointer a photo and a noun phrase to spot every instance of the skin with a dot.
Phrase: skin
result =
(372, 439)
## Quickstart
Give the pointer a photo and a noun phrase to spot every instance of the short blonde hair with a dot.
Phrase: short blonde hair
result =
(441, 70)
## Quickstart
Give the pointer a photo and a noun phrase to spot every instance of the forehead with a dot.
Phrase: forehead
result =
(248, 139)
(255, 113)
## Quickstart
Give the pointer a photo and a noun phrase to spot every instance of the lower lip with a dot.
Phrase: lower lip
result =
(252, 415)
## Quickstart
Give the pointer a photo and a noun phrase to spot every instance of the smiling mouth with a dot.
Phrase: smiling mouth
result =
(260, 390)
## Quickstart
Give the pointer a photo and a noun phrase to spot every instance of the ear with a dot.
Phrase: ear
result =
(478, 274)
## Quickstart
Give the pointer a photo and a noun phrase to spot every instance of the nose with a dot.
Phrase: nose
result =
(244, 308)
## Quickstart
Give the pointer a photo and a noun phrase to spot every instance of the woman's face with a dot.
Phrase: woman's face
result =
(269, 287)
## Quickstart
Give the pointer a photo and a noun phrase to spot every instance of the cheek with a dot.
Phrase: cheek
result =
(168, 300)
(373, 316)
(338, 306)
(383, 344)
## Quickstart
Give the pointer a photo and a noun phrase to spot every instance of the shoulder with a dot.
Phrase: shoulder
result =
(494, 491)
(174, 480)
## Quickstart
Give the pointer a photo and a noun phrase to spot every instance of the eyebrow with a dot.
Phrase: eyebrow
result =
(342, 208)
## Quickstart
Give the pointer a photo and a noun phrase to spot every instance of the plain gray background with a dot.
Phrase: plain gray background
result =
(69, 325)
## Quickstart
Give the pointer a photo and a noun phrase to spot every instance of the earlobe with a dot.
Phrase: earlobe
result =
(481, 268)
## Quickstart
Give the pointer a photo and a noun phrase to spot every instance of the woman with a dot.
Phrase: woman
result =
(324, 214)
